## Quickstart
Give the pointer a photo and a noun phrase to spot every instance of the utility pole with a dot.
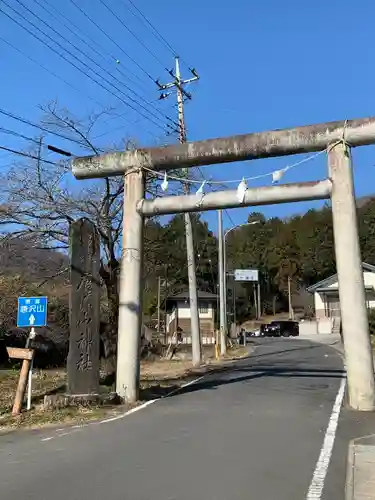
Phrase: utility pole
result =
(290, 297)
(259, 302)
(234, 303)
(256, 307)
(166, 289)
(222, 295)
(182, 94)
(159, 304)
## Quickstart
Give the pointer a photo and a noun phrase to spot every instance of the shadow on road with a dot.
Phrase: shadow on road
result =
(261, 372)
(257, 367)
(277, 352)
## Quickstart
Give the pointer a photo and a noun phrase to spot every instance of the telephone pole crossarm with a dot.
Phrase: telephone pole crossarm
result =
(306, 139)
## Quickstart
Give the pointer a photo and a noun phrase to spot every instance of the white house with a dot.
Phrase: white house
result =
(327, 301)
(179, 319)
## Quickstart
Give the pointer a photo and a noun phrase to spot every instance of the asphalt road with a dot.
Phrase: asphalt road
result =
(252, 432)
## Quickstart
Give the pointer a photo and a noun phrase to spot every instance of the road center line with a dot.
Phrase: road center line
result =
(321, 468)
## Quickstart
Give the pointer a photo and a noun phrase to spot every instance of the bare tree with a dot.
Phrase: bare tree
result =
(39, 201)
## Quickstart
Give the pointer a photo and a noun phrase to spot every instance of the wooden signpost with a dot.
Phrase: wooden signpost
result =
(27, 356)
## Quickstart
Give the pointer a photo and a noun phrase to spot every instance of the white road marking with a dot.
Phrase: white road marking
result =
(147, 403)
(185, 385)
(75, 428)
(123, 415)
(61, 434)
(321, 468)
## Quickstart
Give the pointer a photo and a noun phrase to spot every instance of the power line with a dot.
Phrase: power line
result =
(129, 122)
(133, 34)
(155, 31)
(92, 40)
(70, 62)
(20, 153)
(82, 62)
(95, 62)
(229, 217)
(50, 147)
(113, 41)
(40, 127)
(51, 72)
(17, 134)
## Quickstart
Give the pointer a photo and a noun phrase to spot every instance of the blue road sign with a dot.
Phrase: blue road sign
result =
(32, 311)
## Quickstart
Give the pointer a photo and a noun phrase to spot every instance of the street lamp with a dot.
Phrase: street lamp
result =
(225, 259)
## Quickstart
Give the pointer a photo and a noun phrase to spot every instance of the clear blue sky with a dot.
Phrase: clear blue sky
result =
(263, 65)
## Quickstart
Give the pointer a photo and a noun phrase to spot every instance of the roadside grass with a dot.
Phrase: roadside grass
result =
(44, 382)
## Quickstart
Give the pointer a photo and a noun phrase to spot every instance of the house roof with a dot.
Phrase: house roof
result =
(334, 291)
(201, 295)
(321, 285)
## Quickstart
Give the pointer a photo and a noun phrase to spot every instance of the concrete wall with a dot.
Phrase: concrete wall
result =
(319, 305)
(325, 325)
(319, 327)
(308, 327)
(184, 310)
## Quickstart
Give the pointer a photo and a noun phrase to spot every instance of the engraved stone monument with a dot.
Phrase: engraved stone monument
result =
(84, 340)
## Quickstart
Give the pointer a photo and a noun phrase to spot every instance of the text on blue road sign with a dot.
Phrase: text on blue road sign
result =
(32, 311)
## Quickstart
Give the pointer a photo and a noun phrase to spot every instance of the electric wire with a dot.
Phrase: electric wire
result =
(133, 34)
(150, 103)
(89, 57)
(40, 127)
(17, 134)
(148, 22)
(27, 155)
(155, 31)
(114, 42)
(128, 122)
(229, 217)
(50, 71)
(102, 50)
(72, 63)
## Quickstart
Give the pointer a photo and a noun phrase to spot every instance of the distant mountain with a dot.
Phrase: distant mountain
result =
(361, 202)
(23, 258)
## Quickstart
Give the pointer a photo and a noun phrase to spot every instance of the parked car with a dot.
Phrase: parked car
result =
(281, 329)
(262, 329)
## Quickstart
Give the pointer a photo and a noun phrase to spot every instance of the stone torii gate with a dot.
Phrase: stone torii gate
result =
(336, 137)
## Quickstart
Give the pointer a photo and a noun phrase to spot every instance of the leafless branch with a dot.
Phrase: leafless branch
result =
(56, 275)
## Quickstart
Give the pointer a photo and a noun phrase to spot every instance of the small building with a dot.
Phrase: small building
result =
(327, 301)
(179, 319)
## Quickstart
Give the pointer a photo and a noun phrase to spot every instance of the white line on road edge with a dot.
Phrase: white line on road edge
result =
(129, 412)
(147, 403)
(175, 391)
(123, 415)
(59, 435)
(321, 468)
